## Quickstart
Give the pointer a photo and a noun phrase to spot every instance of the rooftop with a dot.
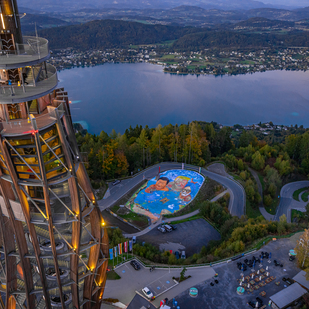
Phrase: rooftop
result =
(301, 279)
(288, 295)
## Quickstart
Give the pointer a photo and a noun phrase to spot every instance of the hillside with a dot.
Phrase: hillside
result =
(230, 39)
(261, 22)
(42, 21)
(101, 34)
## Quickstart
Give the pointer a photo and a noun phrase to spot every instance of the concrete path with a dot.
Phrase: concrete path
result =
(160, 221)
(262, 209)
(287, 203)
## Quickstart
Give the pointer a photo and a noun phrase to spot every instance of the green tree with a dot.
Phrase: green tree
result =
(258, 161)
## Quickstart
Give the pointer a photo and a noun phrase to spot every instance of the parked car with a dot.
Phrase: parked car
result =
(135, 265)
(167, 228)
(116, 182)
(174, 227)
(162, 229)
(183, 254)
(147, 292)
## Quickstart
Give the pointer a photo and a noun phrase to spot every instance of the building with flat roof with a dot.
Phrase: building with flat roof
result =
(287, 296)
(301, 279)
(53, 245)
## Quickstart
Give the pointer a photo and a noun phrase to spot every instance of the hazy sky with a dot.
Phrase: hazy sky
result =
(288, 2)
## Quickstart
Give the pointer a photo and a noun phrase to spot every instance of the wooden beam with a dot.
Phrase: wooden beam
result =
(47, 207)
(25, 208)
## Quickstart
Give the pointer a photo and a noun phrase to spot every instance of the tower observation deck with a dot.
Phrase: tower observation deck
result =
(53, 244)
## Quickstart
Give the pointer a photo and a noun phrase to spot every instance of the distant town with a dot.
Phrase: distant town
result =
(202, 62)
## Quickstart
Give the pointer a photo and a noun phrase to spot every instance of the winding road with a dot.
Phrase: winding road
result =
(287, 203)
(237, 194)
(216, 172)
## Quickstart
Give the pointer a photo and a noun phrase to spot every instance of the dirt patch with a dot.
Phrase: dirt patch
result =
(270, 162)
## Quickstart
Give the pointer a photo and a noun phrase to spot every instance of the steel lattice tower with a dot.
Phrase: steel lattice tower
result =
(53, 244)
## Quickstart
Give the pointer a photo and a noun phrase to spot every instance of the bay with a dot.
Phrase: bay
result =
(115, 96)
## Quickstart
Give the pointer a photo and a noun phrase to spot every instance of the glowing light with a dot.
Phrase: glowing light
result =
(3, 25)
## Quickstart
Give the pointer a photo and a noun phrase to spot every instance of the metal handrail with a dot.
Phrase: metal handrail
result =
(31, 46)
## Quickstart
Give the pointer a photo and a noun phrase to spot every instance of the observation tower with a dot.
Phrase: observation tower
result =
(53, 245)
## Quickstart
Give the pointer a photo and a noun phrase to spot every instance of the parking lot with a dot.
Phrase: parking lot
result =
(157, 281)
(190, 236)
(223, 294)
(159, 286)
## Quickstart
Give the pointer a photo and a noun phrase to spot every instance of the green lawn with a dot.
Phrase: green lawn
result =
(168, 57)
(247, 62)
(262, 181)
(119, 259)
(296, 214)
(304, 196)
(112, 275)
(297, 192)
(187, 219)
(273, 207)
(252, 212)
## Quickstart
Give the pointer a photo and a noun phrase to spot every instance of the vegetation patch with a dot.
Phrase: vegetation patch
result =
(137, 220)
(304, 196)
(112, 275)
(297, 192)
(187, 219)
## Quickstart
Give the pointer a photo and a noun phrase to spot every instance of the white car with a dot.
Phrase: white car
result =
(162, 229)
(147, 292)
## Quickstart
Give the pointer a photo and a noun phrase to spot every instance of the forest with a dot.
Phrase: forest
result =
(105, 34)
(276, 161)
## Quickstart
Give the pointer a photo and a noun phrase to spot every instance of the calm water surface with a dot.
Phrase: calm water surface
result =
(115, 96)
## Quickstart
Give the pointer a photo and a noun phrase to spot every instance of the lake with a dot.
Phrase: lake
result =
(115, 96)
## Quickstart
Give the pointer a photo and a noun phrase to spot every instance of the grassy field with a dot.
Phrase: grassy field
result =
(304, 196)
(137, 220)
(169, 57)
(296, 214)
(262, 181)
(188, 219)
(297, 192)
(273, 207)
(252, 212)
(247, 62)
(119, 259)
(112, 275)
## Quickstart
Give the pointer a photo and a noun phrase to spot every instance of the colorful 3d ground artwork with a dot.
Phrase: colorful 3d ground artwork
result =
(169, 192)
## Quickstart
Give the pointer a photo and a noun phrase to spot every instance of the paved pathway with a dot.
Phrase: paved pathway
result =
(287, 203)
(262, 209)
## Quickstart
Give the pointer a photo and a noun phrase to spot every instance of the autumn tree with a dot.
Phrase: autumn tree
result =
(302, 250)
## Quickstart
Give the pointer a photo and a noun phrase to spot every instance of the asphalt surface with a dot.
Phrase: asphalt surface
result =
(190, 236)
(223, 295)
(237, 200)
(287, 203)
(133, 281)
